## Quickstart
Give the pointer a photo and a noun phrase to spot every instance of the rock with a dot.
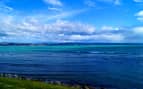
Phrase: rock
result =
(86, 87)
(58, 82)
(15, 76)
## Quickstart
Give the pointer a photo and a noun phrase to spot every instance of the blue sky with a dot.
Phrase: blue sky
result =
(111, 21)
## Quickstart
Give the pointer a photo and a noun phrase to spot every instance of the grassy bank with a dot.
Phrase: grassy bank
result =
(10, 83)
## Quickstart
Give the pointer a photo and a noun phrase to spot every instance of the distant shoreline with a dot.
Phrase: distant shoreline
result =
(45, 44)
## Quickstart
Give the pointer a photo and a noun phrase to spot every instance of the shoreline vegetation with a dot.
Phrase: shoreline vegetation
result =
(14, 81)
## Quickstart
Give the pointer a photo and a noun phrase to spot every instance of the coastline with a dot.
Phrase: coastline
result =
(73, 84)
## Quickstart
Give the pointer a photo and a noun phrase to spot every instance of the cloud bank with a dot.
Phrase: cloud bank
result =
(55, 27)
(29, 29)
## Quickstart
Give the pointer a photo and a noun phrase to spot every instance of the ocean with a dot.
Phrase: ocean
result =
(118, 66)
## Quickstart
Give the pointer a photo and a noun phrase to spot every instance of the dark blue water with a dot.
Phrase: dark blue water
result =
(116, 65)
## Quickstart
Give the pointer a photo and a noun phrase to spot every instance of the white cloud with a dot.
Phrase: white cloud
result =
(66, 14)
(54, 2)
(34, 30)
(54, 9)
(140, 19)
(58, 15)
(29, 29)
(98, 38)
(138, 0)
(90, 3)
(56, 28)
(58, 31)
(115, 2)
(5, 9)
(18, 28)
(109, 28)
(139, 15)
(138, 30)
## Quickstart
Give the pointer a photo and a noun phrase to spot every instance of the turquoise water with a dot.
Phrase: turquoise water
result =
(116, 65)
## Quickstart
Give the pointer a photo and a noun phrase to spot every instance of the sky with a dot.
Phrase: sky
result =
(49, 21)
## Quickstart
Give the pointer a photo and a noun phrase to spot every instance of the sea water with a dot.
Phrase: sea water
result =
(119, 66)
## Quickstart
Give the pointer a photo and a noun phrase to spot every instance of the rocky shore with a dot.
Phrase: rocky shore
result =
(56, 82)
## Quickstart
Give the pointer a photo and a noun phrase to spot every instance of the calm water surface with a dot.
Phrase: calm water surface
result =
(119, 66)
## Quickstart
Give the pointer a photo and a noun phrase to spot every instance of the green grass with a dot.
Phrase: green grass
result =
(9, 83)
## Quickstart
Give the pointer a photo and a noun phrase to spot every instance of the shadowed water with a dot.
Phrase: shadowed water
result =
(114, 65)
